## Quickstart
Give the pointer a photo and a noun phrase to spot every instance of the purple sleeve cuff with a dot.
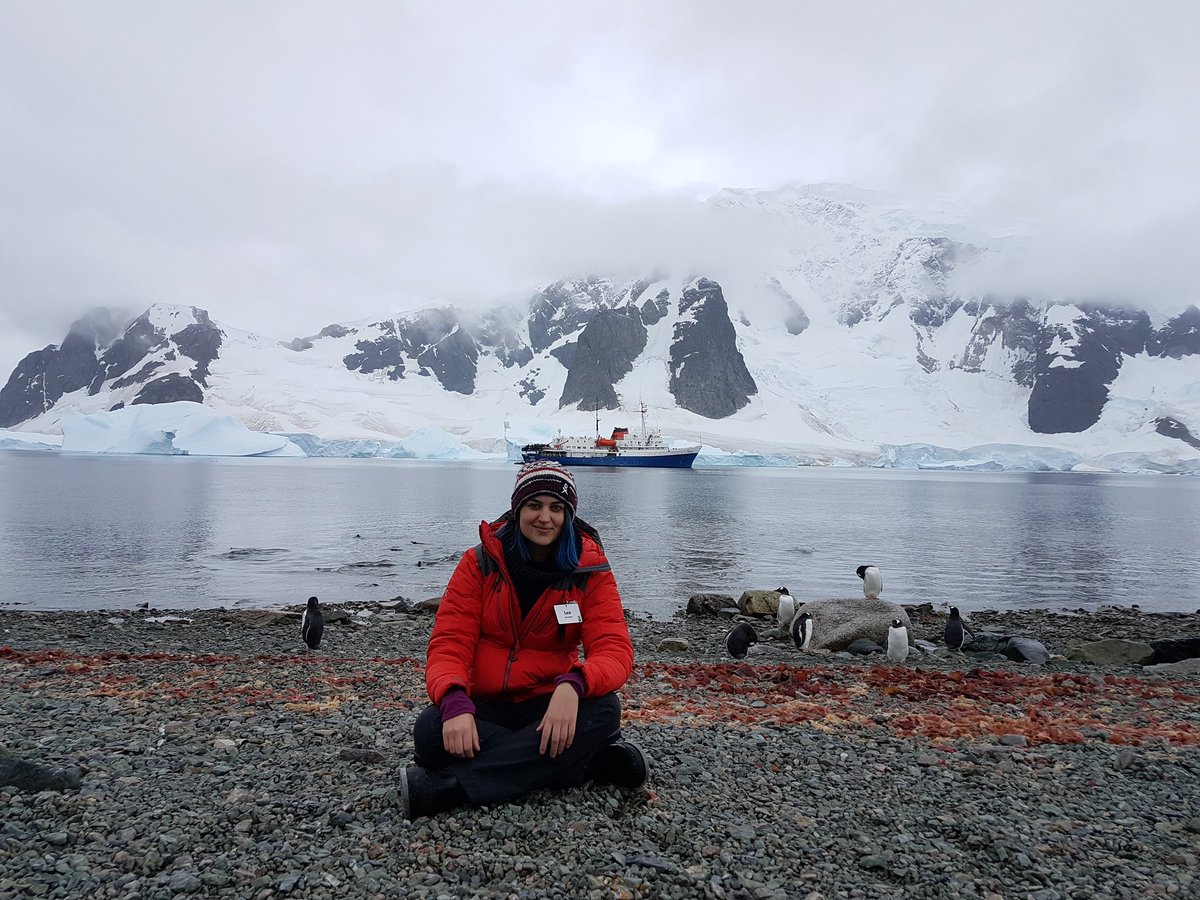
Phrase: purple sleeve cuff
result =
(575, 679)
(455, 702)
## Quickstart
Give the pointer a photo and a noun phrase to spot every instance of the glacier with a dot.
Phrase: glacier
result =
(168, 429)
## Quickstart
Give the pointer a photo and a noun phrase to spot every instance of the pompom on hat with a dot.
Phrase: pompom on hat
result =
(544, 477)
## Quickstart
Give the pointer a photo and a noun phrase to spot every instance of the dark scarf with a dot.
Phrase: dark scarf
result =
(530, 578)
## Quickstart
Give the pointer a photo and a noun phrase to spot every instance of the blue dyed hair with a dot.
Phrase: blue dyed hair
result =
(566, 557)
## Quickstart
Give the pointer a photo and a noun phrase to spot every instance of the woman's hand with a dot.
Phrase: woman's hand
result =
(460, 736)
(558, 724)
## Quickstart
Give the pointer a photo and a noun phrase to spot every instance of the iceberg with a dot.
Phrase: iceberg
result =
(182, 428)
(19, 440)
(982, 458)
(428, 442)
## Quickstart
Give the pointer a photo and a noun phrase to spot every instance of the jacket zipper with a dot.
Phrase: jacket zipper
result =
(512, 653)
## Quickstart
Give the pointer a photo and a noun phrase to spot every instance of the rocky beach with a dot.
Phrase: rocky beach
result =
(213, 756)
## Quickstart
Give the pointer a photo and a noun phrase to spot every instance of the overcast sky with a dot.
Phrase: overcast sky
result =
(290, 164)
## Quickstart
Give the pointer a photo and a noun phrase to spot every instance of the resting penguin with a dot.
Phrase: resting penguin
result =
(802, 630)
(897, 641)
(787, 608)
(872, 580)
(738, 641)
(956, 631)
(312, 626)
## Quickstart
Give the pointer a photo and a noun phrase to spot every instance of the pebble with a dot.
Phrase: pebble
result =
(750, 806)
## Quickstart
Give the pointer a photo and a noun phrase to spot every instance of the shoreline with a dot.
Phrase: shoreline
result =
(218, 757)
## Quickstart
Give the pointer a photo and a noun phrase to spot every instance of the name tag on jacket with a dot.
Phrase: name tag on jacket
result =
(567, 613)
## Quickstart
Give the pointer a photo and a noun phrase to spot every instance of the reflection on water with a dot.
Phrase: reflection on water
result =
(94, 532)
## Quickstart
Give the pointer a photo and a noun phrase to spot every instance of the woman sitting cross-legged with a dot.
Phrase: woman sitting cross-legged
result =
(515, 708)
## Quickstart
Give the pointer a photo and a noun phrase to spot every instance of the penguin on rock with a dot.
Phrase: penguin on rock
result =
(872, 580)
(787, 608)
(312, 626)
(802, 630)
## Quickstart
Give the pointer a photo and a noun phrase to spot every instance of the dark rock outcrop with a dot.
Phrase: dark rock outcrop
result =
(502, 335)
(563, 308)
(655, 310)
(140, 339)
(708, 374)
(1017, 326)
(384, 354)
(43, 376)
(169, 389)
(95, 357)
(604, 354)
(1178, 338)
(1077, 362)
(434, 339)
(200, 342)
(1170, 427)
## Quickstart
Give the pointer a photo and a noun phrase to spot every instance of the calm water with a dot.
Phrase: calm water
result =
(108, 532)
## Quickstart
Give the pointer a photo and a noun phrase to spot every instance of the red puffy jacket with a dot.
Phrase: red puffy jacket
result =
(481, 643)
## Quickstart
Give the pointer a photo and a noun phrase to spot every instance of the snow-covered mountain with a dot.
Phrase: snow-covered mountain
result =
(850, 341)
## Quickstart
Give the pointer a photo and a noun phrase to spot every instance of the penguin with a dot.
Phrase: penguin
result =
(956, 631)
(738, 641)
(802, 630)
(312, 626)
(787, 607)
(897, 641)
(872, 580)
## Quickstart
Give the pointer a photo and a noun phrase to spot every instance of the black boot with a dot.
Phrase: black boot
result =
(622, 763)
(426, 792)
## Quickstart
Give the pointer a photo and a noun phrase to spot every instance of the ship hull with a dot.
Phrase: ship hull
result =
(623, 460)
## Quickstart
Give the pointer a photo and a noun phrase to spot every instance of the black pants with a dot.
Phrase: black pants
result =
(508, 764)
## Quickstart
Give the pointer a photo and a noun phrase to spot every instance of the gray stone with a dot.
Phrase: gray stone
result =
(1184, 667)
(709, 604)
(1014, 740)
(1170, 650)
(288, 882)
(358, 754)
(28, 775)
(987, 642)
(676, 645)
(864, 647)
(838, 623)
(1113, 652)
(758, 603)
(1021, 649)
(185, 882)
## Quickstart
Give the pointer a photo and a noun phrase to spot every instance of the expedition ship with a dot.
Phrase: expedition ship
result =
(644, 449)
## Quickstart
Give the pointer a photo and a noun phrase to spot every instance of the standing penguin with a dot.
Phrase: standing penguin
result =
(312, 626)
(956, 631)
(872, 580)
(897, 641)
(787, 607)
(802, 630)
(738, 641)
